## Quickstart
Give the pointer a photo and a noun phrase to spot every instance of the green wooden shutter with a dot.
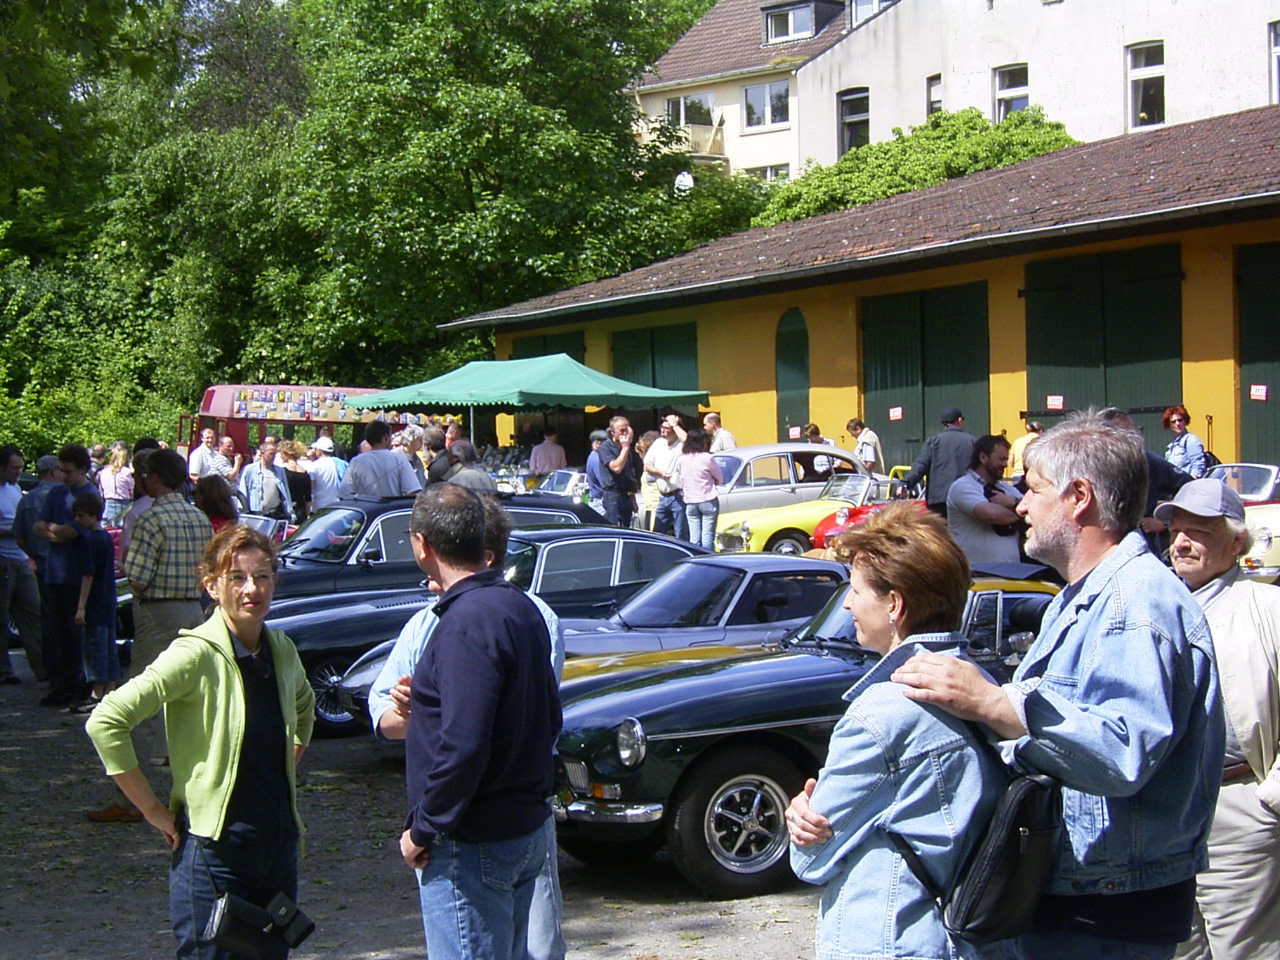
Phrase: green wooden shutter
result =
(956, 355)
(892, 374)
(1259, 281)
(542, 345)
(791, 361)
(1142, 319)
(675, 357)
(1065, 344)
(633, 356)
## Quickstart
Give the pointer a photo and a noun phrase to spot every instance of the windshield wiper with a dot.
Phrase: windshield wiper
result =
(824, 643)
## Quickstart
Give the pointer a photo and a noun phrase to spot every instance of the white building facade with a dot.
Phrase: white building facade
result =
(1102, 69)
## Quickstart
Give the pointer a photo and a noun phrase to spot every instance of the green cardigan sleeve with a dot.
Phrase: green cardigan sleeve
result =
(171, 676)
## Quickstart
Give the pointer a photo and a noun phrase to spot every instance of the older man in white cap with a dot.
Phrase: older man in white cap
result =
(1238, 897)
(326, 472)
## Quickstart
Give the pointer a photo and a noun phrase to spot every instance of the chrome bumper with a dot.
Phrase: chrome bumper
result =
(599, 811)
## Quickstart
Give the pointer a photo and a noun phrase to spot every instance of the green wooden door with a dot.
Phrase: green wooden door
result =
(1106, 330)
(791, 360)
(922, 352)
(1259, 279)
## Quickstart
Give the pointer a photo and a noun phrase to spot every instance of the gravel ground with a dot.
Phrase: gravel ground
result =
(74, 889)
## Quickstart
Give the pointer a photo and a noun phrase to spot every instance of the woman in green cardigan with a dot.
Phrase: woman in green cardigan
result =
(238, 714)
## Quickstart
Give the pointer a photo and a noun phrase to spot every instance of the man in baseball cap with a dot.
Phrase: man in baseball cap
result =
(1238, 896)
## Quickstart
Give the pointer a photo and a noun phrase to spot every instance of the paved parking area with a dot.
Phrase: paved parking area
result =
(73, 890)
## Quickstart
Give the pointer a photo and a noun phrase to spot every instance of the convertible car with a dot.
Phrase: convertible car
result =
(707, 603)
(704, 754)
(789, 529)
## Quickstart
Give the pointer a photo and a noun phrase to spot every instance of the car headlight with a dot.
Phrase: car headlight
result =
(746, 531)
(1261, 540)
(631, 742)
(842, 516)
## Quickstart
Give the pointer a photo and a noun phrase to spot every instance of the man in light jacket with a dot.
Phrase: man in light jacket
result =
(1238, 897)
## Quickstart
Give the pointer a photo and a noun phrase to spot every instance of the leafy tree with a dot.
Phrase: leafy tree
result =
(945, 146)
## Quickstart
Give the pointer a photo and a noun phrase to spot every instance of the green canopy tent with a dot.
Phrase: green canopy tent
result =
(535, 383)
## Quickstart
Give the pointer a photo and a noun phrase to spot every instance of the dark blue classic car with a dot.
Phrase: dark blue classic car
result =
(577, 570)
(363, 544)
(702, 749)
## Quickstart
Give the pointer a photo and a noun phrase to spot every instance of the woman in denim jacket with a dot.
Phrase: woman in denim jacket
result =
(895, 765)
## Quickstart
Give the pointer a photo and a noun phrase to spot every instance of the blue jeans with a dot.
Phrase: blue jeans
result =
(670, 516)
(101, 663)
(253, 865)
(476, 896)
(546, 914)
(702, 522)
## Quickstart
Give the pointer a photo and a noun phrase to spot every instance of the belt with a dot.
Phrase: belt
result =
(1236, 771)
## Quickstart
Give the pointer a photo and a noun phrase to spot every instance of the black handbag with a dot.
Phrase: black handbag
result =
(248, 930)
(1003, 879)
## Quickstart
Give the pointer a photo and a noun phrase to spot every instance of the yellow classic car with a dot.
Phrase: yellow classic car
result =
(788, 529)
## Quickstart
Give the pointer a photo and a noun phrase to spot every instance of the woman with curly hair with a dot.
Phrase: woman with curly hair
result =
(1185, 451)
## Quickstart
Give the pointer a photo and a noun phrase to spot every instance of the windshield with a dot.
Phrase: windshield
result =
(687, 595)
(327, 535)
(832, 622)
(729, 467)
(557, 481)
(522, 559)
(851, 487)
(1251, 482)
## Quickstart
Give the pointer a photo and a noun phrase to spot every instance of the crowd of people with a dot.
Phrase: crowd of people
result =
(1150, 693)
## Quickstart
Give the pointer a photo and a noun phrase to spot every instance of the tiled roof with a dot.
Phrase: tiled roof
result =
(729, 39)
(1175, 175)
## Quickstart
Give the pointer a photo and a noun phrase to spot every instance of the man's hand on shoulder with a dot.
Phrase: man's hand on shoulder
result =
(958, 687)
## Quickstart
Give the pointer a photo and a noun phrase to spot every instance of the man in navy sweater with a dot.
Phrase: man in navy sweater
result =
(485, 712)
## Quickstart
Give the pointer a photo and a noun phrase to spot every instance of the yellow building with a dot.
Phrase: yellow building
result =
(1138, 272)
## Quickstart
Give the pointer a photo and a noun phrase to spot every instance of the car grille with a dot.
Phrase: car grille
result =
(576, 771)
(729, 543)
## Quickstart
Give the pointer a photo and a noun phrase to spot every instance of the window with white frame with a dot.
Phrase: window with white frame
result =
(1011, 90)
(691, 108)
(855, 119)
(1273, 32)
(767, 104)
(1146, 84)
(777, 171)
(933, 94)
(788, 23)
(862, 9)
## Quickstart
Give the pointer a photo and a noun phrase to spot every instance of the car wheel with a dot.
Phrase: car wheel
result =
(727, 832)
(332, 719)
(602, 853)
(791, 543)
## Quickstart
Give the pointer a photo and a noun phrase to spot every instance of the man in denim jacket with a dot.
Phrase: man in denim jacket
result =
(1118, 698)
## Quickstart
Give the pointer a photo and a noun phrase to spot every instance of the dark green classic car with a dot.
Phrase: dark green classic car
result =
(703, 749)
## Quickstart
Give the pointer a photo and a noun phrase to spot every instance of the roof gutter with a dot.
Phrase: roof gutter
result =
(716, 78)
(710, 289)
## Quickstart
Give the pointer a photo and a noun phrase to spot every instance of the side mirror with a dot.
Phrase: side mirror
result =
(370, 556)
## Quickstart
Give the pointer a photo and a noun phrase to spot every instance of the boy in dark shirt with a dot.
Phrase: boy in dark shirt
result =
(96, 610)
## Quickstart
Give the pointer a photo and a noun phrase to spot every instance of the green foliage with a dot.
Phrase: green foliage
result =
(301, 190)
(945, 146)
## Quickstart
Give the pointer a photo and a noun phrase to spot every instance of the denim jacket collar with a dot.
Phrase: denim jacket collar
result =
(951, 643)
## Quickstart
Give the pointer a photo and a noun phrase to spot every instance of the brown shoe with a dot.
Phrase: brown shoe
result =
(116, 813)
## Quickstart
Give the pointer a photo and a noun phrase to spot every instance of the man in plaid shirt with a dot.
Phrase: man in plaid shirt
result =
(164, 553)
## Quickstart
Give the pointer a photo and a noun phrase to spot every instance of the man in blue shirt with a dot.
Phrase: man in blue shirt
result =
(484, 713)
